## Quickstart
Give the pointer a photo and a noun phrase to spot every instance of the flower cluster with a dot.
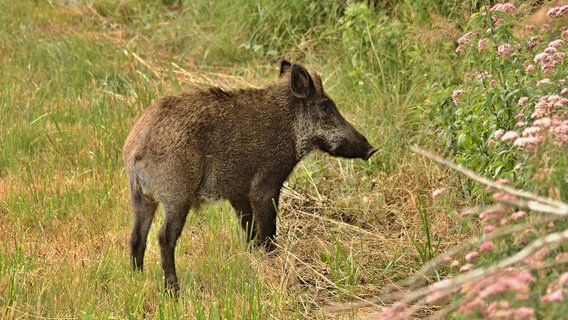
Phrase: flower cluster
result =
(456, 95)
(557, 289)
(551, 57)
(550, 115)
(505, 7)
(395, 311)
(438, 192)
(558, 11)
(517, 104)
(505, 50)
(550, 122)
(464, 40)
(480, 294)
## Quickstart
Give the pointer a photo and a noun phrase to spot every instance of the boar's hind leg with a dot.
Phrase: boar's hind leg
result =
(174, 220)
(244, 213)
(143, 210)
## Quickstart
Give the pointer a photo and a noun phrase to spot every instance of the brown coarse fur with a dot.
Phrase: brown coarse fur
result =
(236, 145)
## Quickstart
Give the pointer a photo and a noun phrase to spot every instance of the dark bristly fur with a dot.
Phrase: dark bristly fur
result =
(234, 145)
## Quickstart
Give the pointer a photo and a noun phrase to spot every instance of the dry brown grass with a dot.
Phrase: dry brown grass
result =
(376, 223)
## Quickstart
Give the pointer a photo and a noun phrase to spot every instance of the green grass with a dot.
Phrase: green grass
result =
(75, 75)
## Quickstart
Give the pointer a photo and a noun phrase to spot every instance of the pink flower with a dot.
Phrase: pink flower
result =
(499, 196)
(546, 105)
(438, 192)
(438, 293)
(563, 279)
(468, 212)
(557, 11)
(519, 116)
(472, 255)
(393, 312)
(542, 122)
(497, 21)
(497, 134)
(521, 279)
(518, 215)
(523, 100)
(529, 68)
(488, 228)
(554, 296)
(521, 124)
(470, 307)
(531, 131)
(533, 42)
(466, 38)
(524, 313)
(492, 289)
(481, 44)
(466, 267)
(546, 27)
(502, 181)
(509, 135)
(490, 214)
(455, 264)
(564, 91)
(561, 134)
(486, 246)
(530, 28)
(549, 59)
(523, 142)
(562, 256)
(505, 50)
(541, 57)
(518, 167)
(460, 49)
(506, 7)
(556, 43)
(490, 311)
(543, 81)
(456, 95)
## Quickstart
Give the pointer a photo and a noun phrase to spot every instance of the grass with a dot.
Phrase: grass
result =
(75, 75)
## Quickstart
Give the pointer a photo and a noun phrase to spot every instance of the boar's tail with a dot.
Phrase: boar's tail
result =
(137, 196)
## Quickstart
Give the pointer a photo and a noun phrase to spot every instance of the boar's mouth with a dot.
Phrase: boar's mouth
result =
(370, 153)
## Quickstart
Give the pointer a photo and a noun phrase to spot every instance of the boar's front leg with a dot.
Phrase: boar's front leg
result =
(175, 215)
(264, 202)
(243, 210)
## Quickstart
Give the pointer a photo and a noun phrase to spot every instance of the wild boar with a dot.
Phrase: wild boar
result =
(236, 145)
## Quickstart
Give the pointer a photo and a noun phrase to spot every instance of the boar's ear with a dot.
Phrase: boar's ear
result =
(284, 67)
(301, 82)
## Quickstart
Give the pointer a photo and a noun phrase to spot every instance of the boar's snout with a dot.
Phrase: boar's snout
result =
(356, 146)
(371, 151)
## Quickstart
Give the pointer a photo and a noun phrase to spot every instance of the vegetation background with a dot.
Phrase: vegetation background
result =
(76, 74)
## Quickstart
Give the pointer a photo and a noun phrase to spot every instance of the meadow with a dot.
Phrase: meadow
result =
(76, 74)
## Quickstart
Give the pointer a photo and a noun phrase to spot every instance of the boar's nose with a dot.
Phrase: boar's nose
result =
(371, 151)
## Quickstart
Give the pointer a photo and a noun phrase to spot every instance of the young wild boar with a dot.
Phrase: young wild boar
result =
(235, 145)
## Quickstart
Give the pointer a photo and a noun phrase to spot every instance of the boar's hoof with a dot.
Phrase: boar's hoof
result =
(172, 290)
(268, 244)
